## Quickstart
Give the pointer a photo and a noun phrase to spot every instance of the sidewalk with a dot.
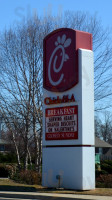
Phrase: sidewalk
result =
(37, 195)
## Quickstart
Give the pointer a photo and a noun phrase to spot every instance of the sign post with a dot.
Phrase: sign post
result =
(68, 111)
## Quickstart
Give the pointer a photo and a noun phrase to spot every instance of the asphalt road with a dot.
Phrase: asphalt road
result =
(3, 198)
(48, 196)
(41, 198)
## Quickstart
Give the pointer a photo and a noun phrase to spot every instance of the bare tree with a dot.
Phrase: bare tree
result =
(97, 127)
(21, 61)
(103, 128)
(106, 127)
(21, 83)
(102, 54)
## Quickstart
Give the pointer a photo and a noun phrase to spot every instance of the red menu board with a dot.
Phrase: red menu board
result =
(61, 123)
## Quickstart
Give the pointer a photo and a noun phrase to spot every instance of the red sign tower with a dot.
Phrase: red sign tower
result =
(61, 58)
(68, 110)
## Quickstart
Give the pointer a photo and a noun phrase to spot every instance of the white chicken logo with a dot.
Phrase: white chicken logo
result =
(61, 43)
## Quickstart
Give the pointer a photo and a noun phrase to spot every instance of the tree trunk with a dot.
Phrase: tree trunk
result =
(17, 152)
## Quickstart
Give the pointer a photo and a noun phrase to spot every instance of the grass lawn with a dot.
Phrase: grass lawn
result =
(9, 185)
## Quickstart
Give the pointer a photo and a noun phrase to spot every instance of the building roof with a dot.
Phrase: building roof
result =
(102, 143)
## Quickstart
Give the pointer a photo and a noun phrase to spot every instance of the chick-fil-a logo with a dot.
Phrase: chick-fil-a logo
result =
(61, 43)
(60, 60)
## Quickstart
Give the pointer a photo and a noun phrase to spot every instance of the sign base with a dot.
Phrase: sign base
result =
(74, 165)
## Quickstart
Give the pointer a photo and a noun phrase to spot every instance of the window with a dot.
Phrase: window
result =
(2, 147)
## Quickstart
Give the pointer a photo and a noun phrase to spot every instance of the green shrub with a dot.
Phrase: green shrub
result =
(97, 166)
(109, 162)
(104, 181)
(27, 176)
(4, 173)
(98, 173)
(8, 158)
(11, 169)
(106, 167)
(7, 170)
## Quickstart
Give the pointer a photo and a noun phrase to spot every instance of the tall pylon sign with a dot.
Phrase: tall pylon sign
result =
(68, 157)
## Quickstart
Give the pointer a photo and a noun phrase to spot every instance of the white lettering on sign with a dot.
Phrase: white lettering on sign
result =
(61, 111)
(61, 43)
(62, 123)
